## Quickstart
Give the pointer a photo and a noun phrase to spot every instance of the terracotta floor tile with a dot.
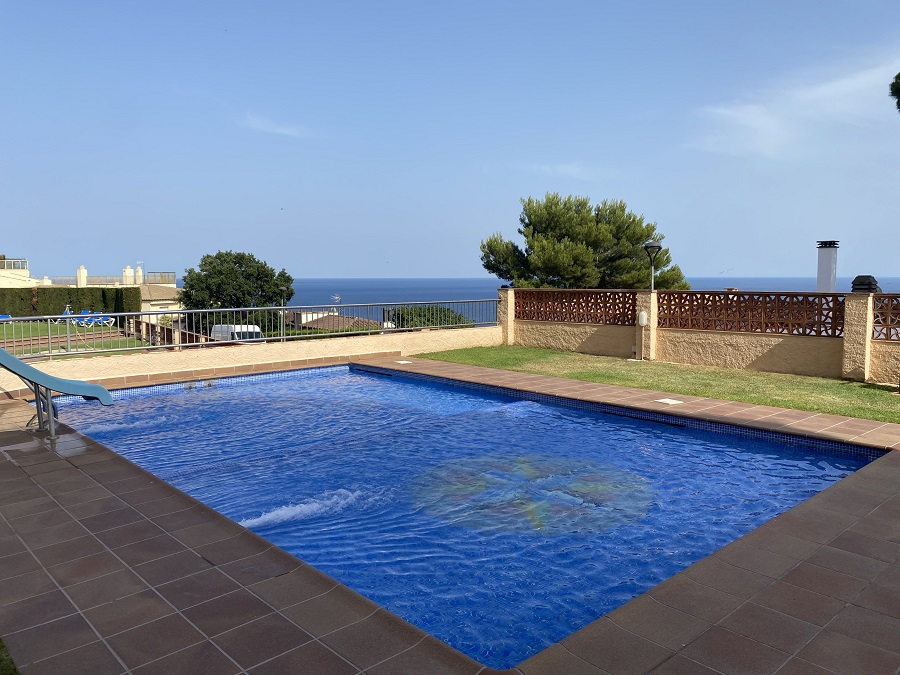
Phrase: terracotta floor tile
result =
(35, 610)
(130, 485)
(889, 576)
(868, 626)
(266, 565)
(870, 547)
(16, 491)
(161, 507)
(770, 627)
(53, 535)
(330, 611)
(111, 519)
(312, 657)
(91, 659)
(152, 494)
(10, 545)
(95, 507)
(179, 520)
(261, 640)
(844, 655)
(66, 472)
(810, 522)
(28, 508)
(83, 496)
(681, 665)
(154, 640)
(554, 659)
(735, 654)
(200, 659)
(825, 581)
(17, 564)
(128, 612)
(238, 547)
(49, 639)
(787, 545)
(208, 533)
(105, 589)
(172, 567)
(701, 601)
(728, 578)
(129, 534)
(615, 649)
(433, 657)
(302, 584)
(796, 666)
(71, 485)
(372, 640)
(40, 521)
(849, 499)
(196, 588)
(25, 586)
(799, 603)
(761, 561)
(880, 599)
(226, 612)
(852, 564)
(150, 549)
(659, 623)
(84, 569)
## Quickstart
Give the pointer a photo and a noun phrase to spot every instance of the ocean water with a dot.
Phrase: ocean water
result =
(366, 291)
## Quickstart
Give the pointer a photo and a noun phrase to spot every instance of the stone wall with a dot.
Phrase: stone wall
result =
(885, 362)
(796, 355)
(577, 337)
(853, 356)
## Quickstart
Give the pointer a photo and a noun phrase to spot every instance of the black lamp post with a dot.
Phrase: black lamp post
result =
(652, 248)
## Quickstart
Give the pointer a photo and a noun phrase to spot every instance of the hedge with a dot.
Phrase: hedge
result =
(52, 300)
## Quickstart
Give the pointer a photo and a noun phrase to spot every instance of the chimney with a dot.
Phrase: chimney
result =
(826, 279)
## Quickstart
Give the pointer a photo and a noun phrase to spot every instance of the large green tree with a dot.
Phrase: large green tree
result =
(230, 279)
(571, 244)
(895, 90)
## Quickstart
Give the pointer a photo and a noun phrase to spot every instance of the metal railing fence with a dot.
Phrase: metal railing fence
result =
(84, 333)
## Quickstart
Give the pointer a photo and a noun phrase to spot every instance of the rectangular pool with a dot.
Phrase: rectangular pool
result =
(496, 523)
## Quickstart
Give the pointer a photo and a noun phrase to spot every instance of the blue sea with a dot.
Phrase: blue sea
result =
(366, 291)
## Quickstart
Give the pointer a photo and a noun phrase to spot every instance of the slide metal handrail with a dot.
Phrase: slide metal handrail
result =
(43, 385)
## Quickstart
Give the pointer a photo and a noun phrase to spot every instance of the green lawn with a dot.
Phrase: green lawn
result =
(7, 667)
(839, 397)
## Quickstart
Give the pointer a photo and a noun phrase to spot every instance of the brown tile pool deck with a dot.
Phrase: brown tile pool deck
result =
(104, 568)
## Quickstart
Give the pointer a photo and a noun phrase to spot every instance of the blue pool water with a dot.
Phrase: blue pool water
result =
(497, 524)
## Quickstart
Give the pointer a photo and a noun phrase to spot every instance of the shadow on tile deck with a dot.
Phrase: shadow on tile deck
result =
(106, 569)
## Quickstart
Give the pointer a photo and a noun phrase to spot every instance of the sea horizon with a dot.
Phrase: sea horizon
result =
(366, 290)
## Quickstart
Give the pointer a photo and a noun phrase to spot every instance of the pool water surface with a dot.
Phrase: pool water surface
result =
(497, 524)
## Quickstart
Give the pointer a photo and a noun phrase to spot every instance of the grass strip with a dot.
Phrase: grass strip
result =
(817, 394)
(7, 667)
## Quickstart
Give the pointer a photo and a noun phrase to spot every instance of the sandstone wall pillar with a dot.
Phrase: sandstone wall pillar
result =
(645, 336)
(506, 314)
(858, 324)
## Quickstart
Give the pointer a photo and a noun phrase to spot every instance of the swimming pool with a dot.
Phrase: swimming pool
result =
(499, 525)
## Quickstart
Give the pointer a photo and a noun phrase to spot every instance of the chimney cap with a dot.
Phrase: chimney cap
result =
(828, 243)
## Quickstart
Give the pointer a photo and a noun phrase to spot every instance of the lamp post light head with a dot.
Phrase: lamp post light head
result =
(652, 248)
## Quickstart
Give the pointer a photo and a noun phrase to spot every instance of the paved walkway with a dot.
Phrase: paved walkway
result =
(106, 569)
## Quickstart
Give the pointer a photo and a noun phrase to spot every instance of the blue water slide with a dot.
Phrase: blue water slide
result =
(44, 385)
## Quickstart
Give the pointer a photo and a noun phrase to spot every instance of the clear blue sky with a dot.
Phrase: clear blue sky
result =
(387, 139)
